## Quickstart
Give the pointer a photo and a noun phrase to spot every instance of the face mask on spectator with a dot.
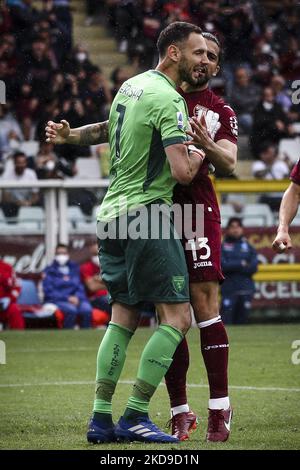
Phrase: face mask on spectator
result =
(62, 259)
(268, 106)
(95, 260)
(81, 56)
(50, 165)
(14, 144)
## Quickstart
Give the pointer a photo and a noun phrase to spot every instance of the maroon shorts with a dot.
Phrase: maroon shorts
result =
(203, 254)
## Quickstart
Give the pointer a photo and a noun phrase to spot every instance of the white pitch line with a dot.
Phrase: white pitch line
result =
(12, 351)
(131, 382)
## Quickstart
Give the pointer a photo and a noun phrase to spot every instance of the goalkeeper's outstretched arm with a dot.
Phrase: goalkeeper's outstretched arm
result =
(61, 133)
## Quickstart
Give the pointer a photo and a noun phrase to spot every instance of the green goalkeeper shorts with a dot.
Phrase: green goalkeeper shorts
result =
(146, 268)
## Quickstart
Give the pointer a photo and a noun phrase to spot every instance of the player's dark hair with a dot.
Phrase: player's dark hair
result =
(233, 220)
(213, 38)
(175, 33)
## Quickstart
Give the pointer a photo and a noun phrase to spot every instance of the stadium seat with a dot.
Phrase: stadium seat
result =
(33, 311)
(21, 228)
(86, 227)
(88, 168)
(74, 217)
(290, 147)
(31, 214)
(28, 295)
(30, 220)
(257, 215)
(253, 215)
(227, 211)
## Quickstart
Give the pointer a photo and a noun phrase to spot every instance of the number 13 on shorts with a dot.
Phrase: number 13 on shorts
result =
(197, 244)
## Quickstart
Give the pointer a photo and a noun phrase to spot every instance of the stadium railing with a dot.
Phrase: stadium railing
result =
(56, 205)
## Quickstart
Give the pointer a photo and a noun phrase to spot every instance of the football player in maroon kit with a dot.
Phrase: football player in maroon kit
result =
(214, 130)
(288, 210)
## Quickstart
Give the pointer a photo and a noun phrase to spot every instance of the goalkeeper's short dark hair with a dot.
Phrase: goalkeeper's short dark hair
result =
(175, 33)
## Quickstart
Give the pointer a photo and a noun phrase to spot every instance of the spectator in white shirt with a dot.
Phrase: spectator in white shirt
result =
(10, 131)
(13, 199)
(270, 167)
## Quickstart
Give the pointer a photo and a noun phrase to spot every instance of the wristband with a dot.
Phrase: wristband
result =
(192, 148)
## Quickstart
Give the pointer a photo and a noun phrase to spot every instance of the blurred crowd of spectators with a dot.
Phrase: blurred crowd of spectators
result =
(261, 56)
(46, 77)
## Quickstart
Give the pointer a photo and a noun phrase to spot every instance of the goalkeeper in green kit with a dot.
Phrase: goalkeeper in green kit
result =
(147, 126)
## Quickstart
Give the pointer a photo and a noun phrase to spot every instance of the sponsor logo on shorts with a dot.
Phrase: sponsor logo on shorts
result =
(202, 264)
(178, 283)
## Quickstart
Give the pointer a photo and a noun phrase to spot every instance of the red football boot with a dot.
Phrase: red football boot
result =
(218, 429)
(183, 424)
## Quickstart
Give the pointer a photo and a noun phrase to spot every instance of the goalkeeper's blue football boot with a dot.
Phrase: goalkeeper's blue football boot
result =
(143, 430)
(99, 432)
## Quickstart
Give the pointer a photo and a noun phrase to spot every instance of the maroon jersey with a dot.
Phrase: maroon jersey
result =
(295, 174)
(221, 123)
(203, 253)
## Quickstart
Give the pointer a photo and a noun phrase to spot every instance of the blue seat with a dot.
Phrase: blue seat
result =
(28, 295)
(30, 304)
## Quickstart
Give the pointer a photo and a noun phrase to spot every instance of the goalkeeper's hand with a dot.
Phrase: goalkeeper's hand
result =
(57, 133)
(199, 135)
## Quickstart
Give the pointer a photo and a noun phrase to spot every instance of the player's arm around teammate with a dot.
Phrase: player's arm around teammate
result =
(183, 166)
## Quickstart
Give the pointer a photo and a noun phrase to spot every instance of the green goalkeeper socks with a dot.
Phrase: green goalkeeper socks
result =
(110, 360)
(155, 362)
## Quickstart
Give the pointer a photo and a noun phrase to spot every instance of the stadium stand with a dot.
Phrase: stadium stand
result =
(253, 215)
(88, 168)
(259, 215)
(77, 59)
(227, 211)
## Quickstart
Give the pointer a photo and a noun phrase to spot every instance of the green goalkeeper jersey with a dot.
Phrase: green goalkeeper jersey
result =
(146, 116)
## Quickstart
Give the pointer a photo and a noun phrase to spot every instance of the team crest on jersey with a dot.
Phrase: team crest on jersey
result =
(212, 119)
(180, 123)
(178, 283)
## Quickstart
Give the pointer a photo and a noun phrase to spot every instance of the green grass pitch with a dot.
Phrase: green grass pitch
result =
(46, 389)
